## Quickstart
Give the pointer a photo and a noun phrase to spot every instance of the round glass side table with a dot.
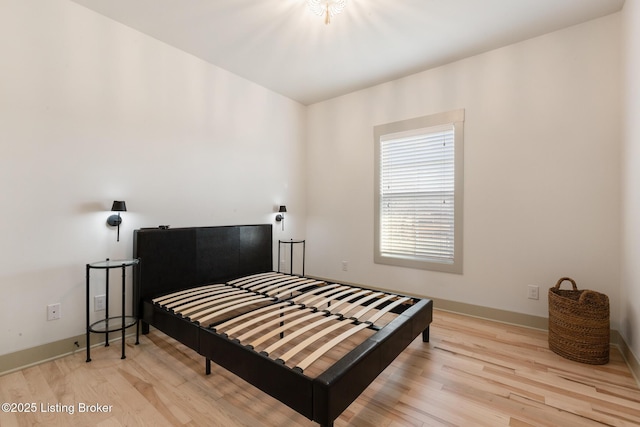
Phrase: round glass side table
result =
(114, 323)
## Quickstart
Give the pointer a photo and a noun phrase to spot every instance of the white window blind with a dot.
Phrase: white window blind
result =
(419, 192)
(417, 204)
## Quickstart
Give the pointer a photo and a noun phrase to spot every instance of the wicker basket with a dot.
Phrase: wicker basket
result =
(579, 324)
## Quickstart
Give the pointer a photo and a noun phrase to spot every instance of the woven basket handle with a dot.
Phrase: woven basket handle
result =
(573, 282)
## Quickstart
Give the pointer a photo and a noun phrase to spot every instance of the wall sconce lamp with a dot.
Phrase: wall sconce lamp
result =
(115, 220)
(280, 216)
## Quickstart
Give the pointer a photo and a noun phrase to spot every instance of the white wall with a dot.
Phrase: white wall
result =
(91, 112)
(542, 158)
(630, 295)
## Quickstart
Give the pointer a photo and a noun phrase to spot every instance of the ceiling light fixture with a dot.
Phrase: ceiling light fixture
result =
(328, 8)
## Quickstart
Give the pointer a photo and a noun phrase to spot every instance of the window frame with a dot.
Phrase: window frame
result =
(456, 119)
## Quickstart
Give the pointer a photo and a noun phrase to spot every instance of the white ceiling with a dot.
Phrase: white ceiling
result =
(281, 45)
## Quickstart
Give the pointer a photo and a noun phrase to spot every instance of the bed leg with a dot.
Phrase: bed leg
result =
(145, 327)
(207, 368)
(425, 335)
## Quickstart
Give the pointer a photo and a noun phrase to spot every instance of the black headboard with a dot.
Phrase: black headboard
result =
(179, 258)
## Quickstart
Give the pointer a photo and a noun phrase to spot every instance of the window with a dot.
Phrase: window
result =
(418, 188)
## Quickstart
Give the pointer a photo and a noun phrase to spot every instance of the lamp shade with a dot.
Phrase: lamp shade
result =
(282, 208)
(119, 206)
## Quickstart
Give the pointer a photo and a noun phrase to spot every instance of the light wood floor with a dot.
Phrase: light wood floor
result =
(472, 373)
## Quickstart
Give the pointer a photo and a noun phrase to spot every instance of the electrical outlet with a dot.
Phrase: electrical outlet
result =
(345, 266)
(53, 311)
(533, 292)
(99, 302)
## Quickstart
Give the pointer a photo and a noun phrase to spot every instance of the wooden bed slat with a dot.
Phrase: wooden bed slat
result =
(165, 298)
(387, 309)
(237, 319)
(361, 301)
(271, 283)
(245, 282)
(288, 325)
(316, 337)
(302, 331)
(306, 312)
(235, 282)
(212, 312)
(297, 288)
(208, 302)
(279, 312)
(373, 305)
(308, 299)
(329, 299)
(248, 301)
(341, 298)
(183, 304)
(329, 345)
(285, 285)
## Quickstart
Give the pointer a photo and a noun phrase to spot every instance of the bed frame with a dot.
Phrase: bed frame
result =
(173, 260)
